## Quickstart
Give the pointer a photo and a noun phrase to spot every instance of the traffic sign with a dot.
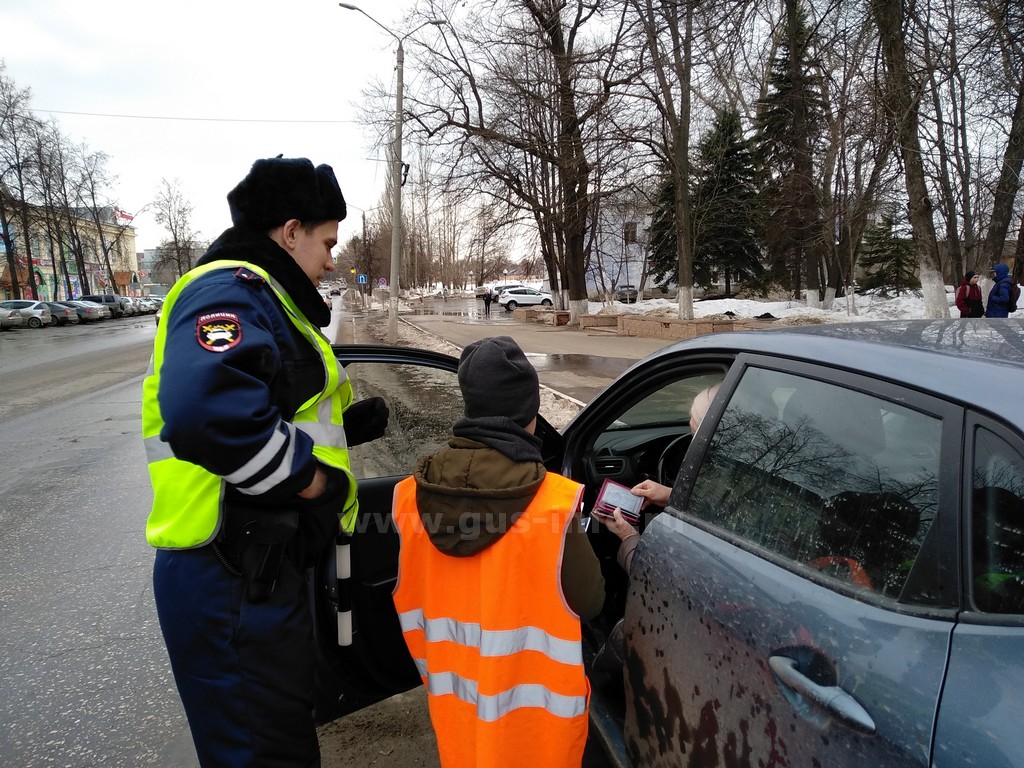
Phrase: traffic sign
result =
(361, 279)
(383, 282)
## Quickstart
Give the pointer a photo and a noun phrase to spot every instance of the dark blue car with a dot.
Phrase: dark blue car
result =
(837, 579)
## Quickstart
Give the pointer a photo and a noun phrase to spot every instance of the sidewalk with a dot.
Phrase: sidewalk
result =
(536, 338)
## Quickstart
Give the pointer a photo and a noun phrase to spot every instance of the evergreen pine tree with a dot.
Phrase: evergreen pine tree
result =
(663, 261)
(789, 122)
(888, 261)
(726, 206)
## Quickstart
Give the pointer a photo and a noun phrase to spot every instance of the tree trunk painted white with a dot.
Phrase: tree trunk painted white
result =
(851, 303)
(811, 298)
(830, 297)
(577, 307)
(685, 298)
(933, 289)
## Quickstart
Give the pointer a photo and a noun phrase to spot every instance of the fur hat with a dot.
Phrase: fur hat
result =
(278, 189)
(497, 380)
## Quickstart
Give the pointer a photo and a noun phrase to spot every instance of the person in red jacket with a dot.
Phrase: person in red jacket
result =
(968, 296)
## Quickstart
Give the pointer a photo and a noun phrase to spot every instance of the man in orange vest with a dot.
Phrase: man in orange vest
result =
(495, 574)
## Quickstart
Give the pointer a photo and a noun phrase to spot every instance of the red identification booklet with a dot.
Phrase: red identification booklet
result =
(614, 495)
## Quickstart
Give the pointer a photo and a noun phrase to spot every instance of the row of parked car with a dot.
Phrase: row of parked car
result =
(29, 313)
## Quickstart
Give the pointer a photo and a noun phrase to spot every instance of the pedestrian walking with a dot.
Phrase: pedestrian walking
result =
(1002, 298)
(247, 419)
(487, 302)
(495, 575)
(968, 296)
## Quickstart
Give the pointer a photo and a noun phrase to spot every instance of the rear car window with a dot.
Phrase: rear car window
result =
(834, 483)
(997, 525)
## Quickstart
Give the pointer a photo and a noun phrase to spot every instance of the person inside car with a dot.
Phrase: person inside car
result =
(610, 658)
(652, 491)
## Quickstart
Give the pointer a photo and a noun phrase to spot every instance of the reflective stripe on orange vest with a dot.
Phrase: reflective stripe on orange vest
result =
(493, 643)
(493, 639)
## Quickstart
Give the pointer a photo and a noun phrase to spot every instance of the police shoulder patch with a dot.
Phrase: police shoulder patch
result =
(218, 331)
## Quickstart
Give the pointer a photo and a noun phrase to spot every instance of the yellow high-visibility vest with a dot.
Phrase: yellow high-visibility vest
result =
(187, 499)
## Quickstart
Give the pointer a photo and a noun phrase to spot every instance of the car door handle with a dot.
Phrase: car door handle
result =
(831, 698)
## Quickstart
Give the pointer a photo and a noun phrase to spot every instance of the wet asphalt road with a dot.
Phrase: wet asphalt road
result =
(84, 674)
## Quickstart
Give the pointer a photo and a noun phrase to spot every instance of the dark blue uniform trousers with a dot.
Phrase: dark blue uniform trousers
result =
(244, 671)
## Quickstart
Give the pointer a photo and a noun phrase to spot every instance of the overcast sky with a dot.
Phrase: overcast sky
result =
(196, 90)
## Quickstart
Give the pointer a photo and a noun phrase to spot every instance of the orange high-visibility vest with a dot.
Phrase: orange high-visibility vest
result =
(498, 648)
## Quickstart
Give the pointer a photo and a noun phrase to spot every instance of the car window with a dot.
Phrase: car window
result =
(997, 525)
(424, 404)
(667, 405)
(835, 483)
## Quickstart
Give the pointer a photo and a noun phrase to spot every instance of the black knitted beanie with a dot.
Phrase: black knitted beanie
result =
(497, 380)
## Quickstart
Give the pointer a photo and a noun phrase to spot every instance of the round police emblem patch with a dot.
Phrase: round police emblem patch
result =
(218, 331)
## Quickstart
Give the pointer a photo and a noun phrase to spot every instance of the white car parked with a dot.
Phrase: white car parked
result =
(523, 297)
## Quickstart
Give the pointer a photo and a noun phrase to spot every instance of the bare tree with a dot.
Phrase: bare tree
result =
(103, 213)
(174, 212)
(856, 163)
(1007, 25)
(903, 100)
(510, 97)
(16, 132)
(667, 29)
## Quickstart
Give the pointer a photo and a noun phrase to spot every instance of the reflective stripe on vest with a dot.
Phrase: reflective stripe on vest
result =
(493, 639)
(187, 499)
(493, 643)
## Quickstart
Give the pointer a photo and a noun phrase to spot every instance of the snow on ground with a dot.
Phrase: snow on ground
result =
(868, 307)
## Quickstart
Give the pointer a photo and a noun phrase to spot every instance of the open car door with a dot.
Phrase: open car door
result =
(422, 394)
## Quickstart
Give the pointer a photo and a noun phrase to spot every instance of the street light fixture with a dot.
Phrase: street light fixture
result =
(396, 167)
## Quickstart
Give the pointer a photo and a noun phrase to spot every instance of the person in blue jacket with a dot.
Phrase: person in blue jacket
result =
(247, 420)
(999, 298)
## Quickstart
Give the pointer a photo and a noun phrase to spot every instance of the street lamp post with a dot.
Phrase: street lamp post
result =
(396, 168)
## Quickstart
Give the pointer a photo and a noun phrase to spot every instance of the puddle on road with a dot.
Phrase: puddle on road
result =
(585, 365)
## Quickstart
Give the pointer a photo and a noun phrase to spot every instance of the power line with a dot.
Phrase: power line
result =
(188, 119)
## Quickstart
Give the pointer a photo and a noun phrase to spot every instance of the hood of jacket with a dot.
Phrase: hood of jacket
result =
(241, 244)
(469, 495)
(1002, 271)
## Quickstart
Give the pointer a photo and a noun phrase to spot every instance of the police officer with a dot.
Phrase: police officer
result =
(247, 419)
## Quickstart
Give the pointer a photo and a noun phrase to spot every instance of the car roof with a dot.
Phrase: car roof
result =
(978, 362)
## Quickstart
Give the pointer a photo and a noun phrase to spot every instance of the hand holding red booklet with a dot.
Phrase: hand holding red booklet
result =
(614, 495)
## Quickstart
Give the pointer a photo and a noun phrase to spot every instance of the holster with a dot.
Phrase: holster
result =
(257, 547)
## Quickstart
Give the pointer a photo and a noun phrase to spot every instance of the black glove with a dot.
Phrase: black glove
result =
(366, 421)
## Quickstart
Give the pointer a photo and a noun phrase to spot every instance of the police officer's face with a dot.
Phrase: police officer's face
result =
(311, 248)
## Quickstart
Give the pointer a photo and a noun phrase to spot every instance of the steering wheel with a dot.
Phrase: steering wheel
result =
(671, 460)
